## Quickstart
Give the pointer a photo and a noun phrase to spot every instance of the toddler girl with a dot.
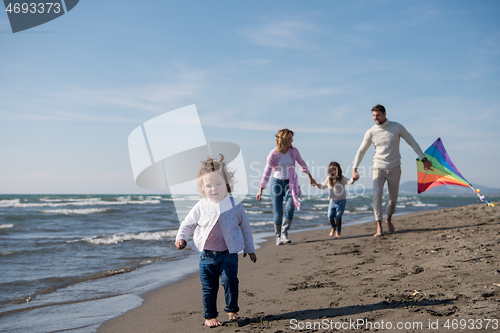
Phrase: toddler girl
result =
(336, 183)
(221, 230)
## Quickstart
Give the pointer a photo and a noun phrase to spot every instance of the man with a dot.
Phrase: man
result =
(385, 136)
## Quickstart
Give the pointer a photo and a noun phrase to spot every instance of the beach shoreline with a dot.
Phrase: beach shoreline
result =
(438, 267)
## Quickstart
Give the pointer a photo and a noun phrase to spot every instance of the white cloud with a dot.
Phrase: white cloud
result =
(284, 34)
(484, 57)
(414, 16)
(232, 120)
(63, 115)
(365, 26)
(76, 103)
(255, 62)
(287, 92)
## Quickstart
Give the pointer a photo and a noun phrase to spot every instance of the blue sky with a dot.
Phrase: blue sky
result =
(73, 89)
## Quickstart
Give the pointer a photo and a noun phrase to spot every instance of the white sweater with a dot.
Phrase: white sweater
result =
(385, 138)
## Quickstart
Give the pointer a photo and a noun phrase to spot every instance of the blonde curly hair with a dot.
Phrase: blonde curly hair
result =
(210, 165)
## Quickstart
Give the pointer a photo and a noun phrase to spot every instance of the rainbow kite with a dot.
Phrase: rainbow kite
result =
(443, 171)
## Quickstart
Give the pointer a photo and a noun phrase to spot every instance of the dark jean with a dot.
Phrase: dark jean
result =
(335, 211)
(215, 264)
(279, 191)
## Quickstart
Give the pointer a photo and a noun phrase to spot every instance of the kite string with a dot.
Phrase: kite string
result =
(481, 197)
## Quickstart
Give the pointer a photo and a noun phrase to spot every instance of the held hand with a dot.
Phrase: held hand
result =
(427, 165)
(180, 244)
(313, 182)
(259, 195)
(252, 256)
(355, 175)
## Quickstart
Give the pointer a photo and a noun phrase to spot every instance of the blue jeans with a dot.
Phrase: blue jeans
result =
(279, 191)
(335, 211)
(215, 264)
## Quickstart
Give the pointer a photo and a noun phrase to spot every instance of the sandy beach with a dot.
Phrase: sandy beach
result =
(439, 272)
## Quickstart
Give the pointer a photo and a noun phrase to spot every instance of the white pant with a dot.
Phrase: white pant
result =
(380, 176)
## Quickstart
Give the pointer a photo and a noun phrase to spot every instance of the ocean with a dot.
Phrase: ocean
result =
(70, 262)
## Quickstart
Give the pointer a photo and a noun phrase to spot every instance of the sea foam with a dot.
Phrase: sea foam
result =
(74, 202)
(123, 237)
(84, 211)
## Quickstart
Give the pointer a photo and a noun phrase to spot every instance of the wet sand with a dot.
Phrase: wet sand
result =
(438, 267)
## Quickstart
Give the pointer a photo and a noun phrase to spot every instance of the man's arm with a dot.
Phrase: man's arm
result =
(411, 141)
(367, 141)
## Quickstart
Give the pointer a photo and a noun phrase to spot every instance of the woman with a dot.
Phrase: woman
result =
(284, 183)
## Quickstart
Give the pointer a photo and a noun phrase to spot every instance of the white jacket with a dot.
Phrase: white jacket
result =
(233, 223)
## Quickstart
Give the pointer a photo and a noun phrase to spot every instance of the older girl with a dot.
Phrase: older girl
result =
(336, 183)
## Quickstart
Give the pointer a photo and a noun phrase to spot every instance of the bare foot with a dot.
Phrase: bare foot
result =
(213, 322)
(379, 229)
(337, 234)
(233, 316)
(389, 224)
(331, 233)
